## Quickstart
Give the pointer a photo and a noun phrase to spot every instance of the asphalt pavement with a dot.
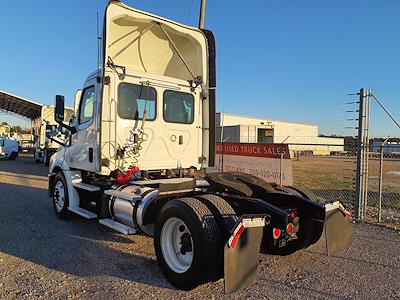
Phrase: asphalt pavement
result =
(42, 257)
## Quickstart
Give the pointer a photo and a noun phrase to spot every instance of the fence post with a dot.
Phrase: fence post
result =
(367, 94)
(360, 170)
(381, 181)
(380, 185)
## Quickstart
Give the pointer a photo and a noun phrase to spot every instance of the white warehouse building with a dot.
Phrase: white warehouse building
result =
(302, 138)
(390, 147)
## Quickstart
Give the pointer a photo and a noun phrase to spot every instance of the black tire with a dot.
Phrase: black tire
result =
(206, 241)
(13, 156)
(62, 211)
(303, 192)
(288, 190)
(46, 158)
(223, 213)
(226, 219)
(34, 157)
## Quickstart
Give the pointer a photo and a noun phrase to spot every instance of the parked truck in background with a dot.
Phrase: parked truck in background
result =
(46, 132)
(144, 126)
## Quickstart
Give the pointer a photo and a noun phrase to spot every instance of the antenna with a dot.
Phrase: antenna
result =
(98, 41)
(202, 13)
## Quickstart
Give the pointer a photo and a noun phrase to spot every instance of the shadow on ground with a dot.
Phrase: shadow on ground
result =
(31, 231)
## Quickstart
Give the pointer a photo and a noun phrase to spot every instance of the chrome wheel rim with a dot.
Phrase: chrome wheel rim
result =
(177, 245)
(59, 196)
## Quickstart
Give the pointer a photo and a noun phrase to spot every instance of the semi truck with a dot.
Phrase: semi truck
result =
(135, 157)
(47, 134)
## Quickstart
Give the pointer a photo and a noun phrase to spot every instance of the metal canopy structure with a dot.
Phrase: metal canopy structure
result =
(10, 103)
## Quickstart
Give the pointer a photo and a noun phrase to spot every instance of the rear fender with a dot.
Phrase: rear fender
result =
(305, 207)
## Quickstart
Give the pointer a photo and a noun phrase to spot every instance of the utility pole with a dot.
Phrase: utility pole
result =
(202, 13)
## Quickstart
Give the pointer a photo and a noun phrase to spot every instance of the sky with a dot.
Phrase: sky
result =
(294, 60)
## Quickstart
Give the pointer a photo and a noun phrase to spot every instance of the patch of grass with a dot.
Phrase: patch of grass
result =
(334, 179)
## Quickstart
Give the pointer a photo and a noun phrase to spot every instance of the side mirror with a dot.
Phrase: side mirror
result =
(78, 95)
(59, 111)
(72, 120)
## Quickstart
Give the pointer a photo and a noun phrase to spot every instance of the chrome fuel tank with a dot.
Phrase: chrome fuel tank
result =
(128, 206)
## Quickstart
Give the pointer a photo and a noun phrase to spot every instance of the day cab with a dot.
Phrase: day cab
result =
(137, 151)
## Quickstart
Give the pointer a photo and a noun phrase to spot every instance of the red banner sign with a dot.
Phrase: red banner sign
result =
(254, 150)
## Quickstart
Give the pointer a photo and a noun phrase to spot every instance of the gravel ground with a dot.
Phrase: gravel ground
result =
(42, 257)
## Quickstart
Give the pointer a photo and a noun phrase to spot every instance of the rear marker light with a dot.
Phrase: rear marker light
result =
(276, 233)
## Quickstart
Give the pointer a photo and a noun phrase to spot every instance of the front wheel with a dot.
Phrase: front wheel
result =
(60, 195)
(13, 156)
(187, 242)
(46, 158)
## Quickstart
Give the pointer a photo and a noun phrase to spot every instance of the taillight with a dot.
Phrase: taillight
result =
(289, 228)
(276, 233)
(293, 215)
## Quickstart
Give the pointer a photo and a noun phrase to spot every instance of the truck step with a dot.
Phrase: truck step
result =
(126, 196)
(117, 226)
(83, 212)
(85, 186)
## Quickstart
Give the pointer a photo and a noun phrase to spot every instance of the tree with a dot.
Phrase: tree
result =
(16, 129)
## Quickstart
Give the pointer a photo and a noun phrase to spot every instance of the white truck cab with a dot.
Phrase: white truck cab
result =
(8, 148)
(145, 122)
(47, 134)
(149, 105)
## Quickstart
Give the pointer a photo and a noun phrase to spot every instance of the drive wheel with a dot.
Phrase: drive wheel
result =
(35, 156)
(187, 242)
(13, 156)
(226, 219)
(223, 213)
(60, 195)
(46, 157)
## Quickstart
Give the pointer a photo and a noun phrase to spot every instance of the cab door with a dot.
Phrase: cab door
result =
(83, 153)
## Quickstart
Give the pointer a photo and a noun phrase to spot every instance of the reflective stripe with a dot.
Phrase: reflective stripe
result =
(236, 235)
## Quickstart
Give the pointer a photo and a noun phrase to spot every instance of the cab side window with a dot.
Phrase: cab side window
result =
(86, 107)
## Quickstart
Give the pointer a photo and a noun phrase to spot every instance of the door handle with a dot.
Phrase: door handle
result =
(90, 155)
(181, 140)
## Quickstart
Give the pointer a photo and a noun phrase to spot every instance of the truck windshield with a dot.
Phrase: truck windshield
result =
(51, 130)
(133, 99)
(1, 143)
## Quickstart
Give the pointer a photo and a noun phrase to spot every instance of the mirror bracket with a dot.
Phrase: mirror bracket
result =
(59, 114)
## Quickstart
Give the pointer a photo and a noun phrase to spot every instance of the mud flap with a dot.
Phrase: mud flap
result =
(337, 227)
(241, 253)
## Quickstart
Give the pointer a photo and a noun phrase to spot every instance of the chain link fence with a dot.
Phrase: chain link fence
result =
(331, 174)
(383, 199)
(326, 170)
